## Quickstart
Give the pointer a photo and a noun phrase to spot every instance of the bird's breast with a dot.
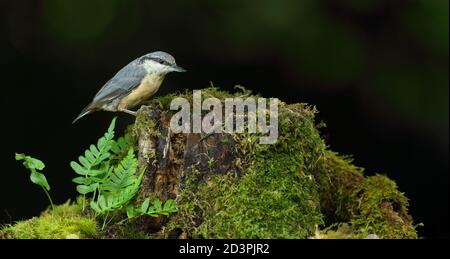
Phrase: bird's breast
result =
(147, 88)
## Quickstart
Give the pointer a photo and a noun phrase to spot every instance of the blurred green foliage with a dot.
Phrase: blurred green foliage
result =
(79, 22)
(395, 51)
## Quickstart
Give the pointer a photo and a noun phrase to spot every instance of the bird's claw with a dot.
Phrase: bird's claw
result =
(129, 112)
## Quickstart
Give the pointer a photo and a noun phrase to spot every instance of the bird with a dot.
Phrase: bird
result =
(133, 84)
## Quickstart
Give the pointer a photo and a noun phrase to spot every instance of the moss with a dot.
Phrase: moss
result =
(370, 205)
(65, 221)
(276, 194)
(336, 179)
(379, 208)
(341, 231)
(295, 188)
(287, 189)
(144, 123)
(127, 229)
(258, 208)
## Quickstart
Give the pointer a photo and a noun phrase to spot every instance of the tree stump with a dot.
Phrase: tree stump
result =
(229, 186)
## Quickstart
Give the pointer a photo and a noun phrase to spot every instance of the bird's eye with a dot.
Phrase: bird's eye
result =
(161, 61)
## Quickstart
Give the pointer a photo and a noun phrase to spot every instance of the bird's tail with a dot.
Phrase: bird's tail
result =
(87, 110)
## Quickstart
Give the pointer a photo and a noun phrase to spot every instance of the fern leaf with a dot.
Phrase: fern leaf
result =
(90, 165)
(114, 200)
(78, 168)
(145, 205)
(84, 161)
(94, 151)
(84, 189)
(118, 198)
(119, 145)
(170, 206)
(90, 157)
(95, 207)
(80, 180)
(102, 203)
(157, 205)
(123, 175)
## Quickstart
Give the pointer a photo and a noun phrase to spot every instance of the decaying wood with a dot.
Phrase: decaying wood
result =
(175, 155)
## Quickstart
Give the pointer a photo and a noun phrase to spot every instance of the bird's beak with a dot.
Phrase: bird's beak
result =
(178, 69)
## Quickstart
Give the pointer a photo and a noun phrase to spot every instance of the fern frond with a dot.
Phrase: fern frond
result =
(117, 146)
(90, 165)
(123, 175)
(110, 201)
(114, 186)
(156, 209)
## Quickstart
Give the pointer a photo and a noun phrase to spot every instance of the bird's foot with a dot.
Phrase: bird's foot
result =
(129, 112)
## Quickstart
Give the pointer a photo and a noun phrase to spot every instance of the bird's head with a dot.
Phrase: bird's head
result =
(160, 62)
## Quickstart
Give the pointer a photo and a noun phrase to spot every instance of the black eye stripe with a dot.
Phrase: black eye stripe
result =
(161, 61)
(158, 60)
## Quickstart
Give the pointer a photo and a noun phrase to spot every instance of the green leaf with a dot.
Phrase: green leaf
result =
(117, 184)
(111, 127)
(170, 206)
(104, 156)
(157, 205)
(30, 162)
(153, 213)
(78, 168)
(131, 212)
(39, 179)
(118, 146)
(94, 151)
(90, 157)
(102, 202)
(145, 205)
(95, 207)
(80, 180)
(20, 156)
(84, 162)
(94, 165)
(102, 143)
(84, 189)
(95, 172)
(123, 175)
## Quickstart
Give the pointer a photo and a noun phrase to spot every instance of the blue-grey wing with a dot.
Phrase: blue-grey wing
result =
(128, 78)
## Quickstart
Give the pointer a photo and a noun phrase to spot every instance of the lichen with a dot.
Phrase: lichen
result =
(65, 221)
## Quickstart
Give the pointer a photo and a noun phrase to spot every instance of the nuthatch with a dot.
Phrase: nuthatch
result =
(133, 84)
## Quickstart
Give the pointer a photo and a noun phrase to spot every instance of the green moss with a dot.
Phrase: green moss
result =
(379, 208)
(341, 231)
(275, 196)
(336, 178)
(65, 221)
(287, 189)
(290, 189)
(144, 123)
(127, 229)
(370, 205)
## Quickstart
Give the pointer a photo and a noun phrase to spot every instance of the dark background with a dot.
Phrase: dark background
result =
(376, 69)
